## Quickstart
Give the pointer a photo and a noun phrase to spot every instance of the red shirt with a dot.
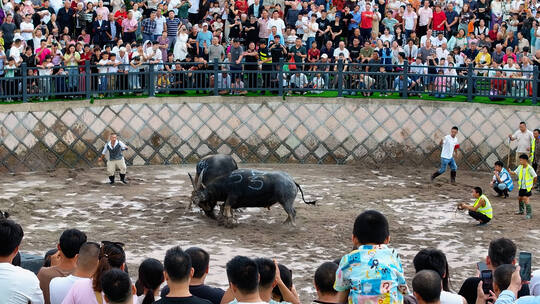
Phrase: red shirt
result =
(313, 53)
(119, 16)
(438, 21)
(242, 6)
(367, 20)
(339, 4)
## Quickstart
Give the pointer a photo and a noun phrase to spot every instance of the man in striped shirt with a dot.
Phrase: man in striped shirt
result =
(172, 24)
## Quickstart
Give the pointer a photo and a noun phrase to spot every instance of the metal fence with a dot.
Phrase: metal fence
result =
(283, 78)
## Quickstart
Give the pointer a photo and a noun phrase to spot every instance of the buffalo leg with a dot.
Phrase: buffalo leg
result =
(291, 214)
(228, 216)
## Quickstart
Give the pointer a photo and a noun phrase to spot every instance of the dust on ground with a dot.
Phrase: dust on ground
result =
(149, 215)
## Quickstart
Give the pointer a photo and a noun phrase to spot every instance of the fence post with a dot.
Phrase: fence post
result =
(404, 92)
(470, 82)
(24, 74)
(216, 68)
(279, 69)
(151, 80)
(87, 79)
(534, 85)
(340, 78)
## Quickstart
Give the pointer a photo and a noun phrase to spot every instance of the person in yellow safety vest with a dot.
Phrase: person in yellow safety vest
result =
(526, 179)
(481, 210)
(535, 153)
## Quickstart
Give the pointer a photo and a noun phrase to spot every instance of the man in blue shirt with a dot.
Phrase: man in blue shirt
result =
(502, 181)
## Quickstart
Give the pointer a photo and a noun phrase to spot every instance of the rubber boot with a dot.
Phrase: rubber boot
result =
(111, 178)
(505, 193)
(521, 208)
(529, 211)
(123, 178)
(434, 175)
(453, 177)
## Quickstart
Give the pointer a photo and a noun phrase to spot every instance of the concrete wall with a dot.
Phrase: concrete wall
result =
(45, 136)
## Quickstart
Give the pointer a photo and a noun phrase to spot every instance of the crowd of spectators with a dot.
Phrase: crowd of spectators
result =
(79, 271)
(120, 38)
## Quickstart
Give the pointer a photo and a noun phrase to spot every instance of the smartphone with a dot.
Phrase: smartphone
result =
(525, 265)
(481, 266)
(487, 281)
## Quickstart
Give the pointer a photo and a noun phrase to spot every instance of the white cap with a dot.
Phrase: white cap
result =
(324, 56)
(205, 24)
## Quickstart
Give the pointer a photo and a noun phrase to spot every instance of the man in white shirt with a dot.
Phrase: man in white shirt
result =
(17, 285)
(449, 144)
(524, 139)
(87, 263)
(27, 30)
(277, 22)
(341, 50)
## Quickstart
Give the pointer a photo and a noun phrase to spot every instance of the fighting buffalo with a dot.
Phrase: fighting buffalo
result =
(213, 166)
(248, 188)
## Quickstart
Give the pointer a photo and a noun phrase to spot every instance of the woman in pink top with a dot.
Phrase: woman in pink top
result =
(102, 10)
(87, 291)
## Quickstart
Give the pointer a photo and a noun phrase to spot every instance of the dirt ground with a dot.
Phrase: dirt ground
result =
(149, 215)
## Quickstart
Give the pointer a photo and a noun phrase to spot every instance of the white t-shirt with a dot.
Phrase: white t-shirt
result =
(449, 143)
(450, 298)
(26, 26)
(194, 8)
(278, 23)
(523, 140)
(18, 285)
(60, 286)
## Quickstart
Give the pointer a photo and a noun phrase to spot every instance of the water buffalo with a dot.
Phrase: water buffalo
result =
(249, 188)
(211, 167)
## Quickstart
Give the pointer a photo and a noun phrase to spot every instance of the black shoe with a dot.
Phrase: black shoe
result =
(123, 178)
(506, 193)
(111, 179)
(434, 175)
(453, 177)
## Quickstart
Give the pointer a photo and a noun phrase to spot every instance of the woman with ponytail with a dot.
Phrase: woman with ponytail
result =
(90, 291)
(150, 279)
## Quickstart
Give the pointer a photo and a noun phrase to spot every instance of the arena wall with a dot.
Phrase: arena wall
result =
(45, 136)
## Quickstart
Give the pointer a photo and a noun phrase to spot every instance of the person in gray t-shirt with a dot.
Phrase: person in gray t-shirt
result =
(235, 58)
(216, 51)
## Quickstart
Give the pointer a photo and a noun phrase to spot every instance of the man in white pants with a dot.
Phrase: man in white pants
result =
(116, 159)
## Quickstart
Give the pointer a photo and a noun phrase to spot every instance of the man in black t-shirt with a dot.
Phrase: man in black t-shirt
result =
(200, 261)
(178, 274)
(277, 51)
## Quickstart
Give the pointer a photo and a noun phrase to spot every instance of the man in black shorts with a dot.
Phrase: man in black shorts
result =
(526, 179)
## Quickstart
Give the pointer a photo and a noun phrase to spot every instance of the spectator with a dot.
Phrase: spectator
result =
(87, 262)
(111, 256)
(69, 244)
(17, 285)
(434, 259)
(243, 276)
(325, 276)
(117, 287)
(501, 251)
(370, 234)
(150, 279)
(178, 274)
(427, 287)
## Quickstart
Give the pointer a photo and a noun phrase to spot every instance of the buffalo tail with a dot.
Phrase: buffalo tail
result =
(302, 192)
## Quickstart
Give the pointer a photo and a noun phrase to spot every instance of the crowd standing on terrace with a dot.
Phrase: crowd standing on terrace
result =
(79, 271)
(119, 37)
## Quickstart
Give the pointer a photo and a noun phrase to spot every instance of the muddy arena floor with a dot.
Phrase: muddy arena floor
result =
(149, 215)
